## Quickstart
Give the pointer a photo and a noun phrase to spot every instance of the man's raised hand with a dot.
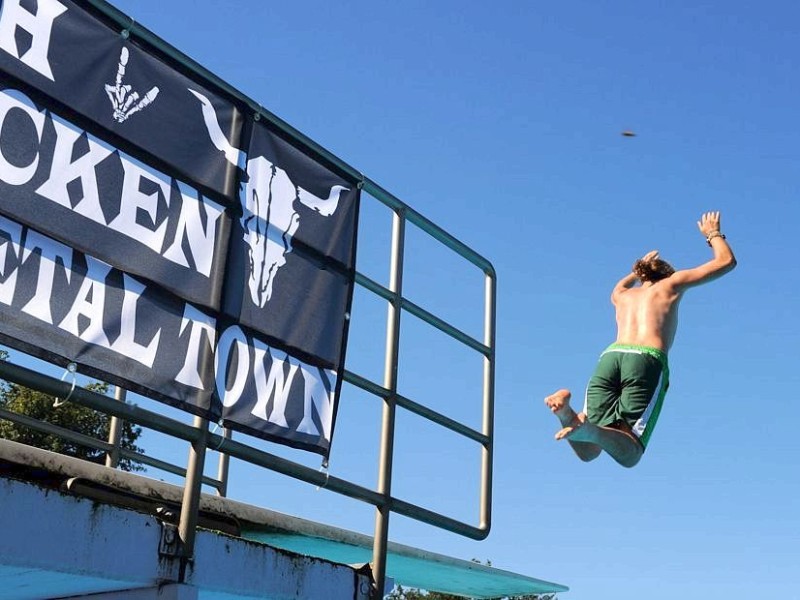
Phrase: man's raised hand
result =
(708, 223)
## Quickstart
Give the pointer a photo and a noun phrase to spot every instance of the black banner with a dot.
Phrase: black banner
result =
(291, 270)
(81, 191)
(65, 306)
(233, 306)
(73, 57)
(292, 250)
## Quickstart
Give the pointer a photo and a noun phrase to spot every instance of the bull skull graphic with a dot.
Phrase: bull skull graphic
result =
(269, 219)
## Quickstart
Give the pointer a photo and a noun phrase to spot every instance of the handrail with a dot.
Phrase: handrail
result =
(90, 442)
(202, 439)
(52, 386)
(368, 185)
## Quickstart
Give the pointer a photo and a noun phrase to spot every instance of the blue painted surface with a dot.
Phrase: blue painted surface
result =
(416, 568)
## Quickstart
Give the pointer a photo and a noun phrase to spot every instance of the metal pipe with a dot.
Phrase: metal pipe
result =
(223, 465)
(397, 303)
(427, 225)
(90, 442)
(383, 510)
(423, 314)
(440, 419)
(487, 451)
(136, 30)
(56, 430)
(115, 431)
(190, 505)
(369, 186)
(130, 412)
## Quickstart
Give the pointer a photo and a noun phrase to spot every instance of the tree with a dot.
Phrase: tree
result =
(401, 593)
(72, 416)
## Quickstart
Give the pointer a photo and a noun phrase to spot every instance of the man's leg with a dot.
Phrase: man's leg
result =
(623, 447)
(558, 402)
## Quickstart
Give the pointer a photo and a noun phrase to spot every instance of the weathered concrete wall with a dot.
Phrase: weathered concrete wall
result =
(54, 545)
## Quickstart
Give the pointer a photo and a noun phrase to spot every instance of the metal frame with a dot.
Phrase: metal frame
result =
(198, 434)
(200, 438)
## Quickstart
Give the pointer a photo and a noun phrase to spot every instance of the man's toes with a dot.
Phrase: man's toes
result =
(564, 433)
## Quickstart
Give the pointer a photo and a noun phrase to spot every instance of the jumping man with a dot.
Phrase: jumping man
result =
(624, 396)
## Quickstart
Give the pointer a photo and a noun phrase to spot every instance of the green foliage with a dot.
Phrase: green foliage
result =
(69, 415)
(401, 593)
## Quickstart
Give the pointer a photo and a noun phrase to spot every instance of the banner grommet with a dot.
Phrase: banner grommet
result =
(71, 368)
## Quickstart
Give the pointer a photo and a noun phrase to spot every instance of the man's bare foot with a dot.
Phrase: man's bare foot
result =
(558, 402)
(578, 430)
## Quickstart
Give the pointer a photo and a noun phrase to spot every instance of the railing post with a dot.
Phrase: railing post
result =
(383, 510)
(223, 466)
(488, 402)
(190, 506)
(115, 432)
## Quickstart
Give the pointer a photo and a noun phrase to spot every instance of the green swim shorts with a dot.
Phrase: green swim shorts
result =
(628, 389)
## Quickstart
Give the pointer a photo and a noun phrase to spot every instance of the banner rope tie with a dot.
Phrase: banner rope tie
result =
(71, 368)
(324, 469)
(217, 425)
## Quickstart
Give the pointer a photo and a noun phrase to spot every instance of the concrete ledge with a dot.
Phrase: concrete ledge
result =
(298, 538)
(57, 545)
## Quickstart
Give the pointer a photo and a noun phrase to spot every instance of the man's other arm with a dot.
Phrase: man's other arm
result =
(623, 285)
(630, 279)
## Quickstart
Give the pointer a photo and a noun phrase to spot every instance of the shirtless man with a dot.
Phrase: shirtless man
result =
(624, 396)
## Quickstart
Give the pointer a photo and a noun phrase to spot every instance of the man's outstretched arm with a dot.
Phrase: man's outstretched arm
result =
(722, 262)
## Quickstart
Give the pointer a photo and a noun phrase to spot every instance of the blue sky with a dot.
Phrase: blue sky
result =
(501, 123)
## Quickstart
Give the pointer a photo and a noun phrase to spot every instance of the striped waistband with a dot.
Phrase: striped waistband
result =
(659, 355)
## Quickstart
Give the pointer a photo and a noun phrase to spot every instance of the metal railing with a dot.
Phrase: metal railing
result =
(201, 439)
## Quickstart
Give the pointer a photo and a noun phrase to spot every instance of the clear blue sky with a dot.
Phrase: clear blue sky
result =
(501, 123)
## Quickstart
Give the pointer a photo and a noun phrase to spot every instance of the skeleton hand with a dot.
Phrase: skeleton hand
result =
(121, 97)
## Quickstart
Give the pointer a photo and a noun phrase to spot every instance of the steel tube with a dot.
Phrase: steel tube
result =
(190, 505)
(487, 451)
(383, 510)
(223, 465)
(115, 431)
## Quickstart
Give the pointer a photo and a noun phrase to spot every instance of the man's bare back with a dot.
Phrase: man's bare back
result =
(623, 397)
(648, 315)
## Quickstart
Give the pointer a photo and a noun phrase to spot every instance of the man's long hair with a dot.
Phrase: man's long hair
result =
(652, 270)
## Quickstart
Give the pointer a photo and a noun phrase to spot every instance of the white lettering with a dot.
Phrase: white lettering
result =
(50, 251)
(316, 393)
(199, 237)
(90, 304)
(39, 26)
(142, 192)
(125, 344)
(10, 99)
(65, 172)
(199, 324)
(72, 183)
(276, 385)
(8, 283)
(274, 373)
(232, 337)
